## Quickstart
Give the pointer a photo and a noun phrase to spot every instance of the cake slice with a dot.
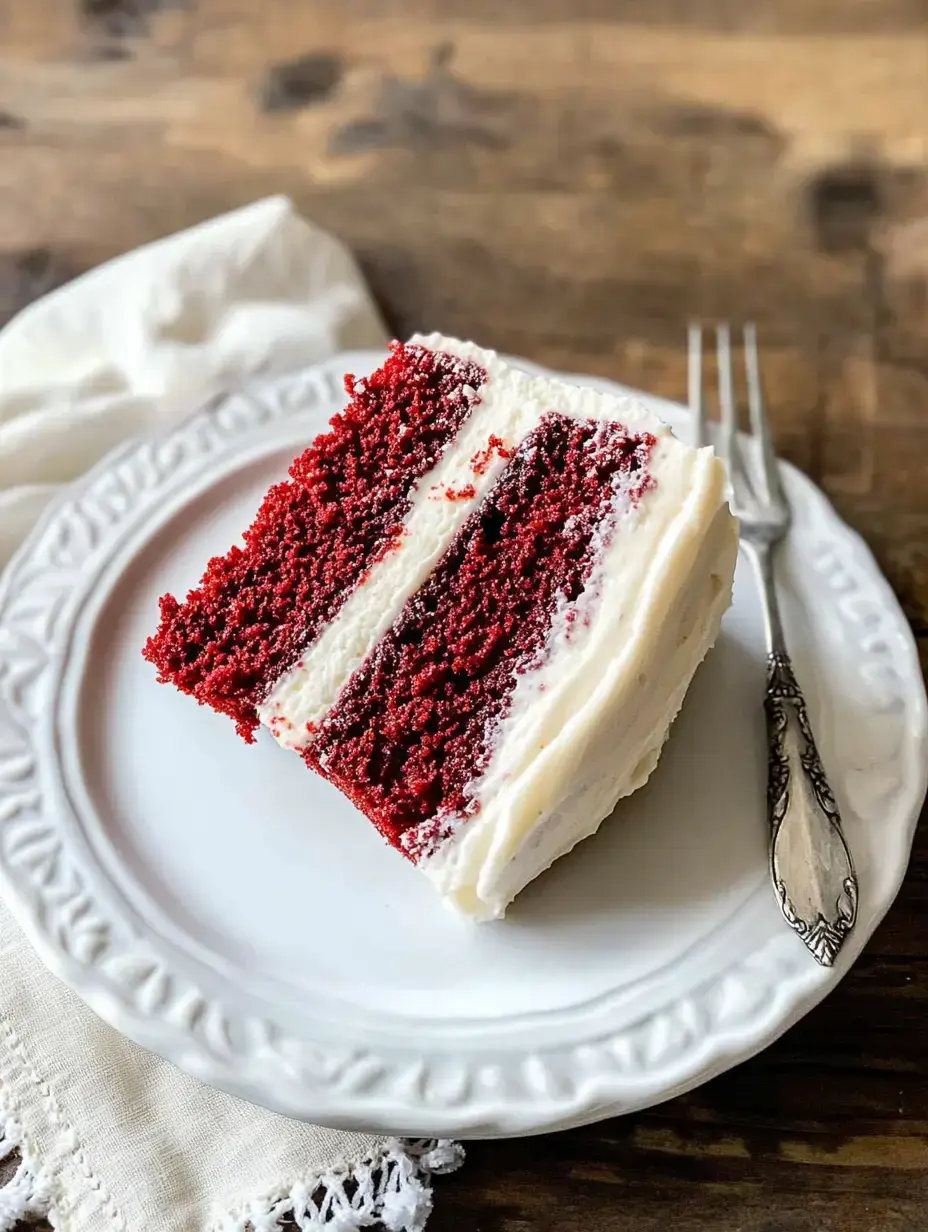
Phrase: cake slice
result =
(475, 607)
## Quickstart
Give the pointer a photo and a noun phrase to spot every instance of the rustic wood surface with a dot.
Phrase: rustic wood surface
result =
(572, 180)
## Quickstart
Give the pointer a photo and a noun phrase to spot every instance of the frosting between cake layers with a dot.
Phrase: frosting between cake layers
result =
(315, 536)
(511, 404)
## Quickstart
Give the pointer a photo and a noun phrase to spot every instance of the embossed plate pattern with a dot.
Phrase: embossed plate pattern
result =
(224, 907)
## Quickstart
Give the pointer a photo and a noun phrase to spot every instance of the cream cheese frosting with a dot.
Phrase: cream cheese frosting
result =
(585, 727)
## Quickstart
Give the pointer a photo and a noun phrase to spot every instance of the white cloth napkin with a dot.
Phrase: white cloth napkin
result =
(113, 1138)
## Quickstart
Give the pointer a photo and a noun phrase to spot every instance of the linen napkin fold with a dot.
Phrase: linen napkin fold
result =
(112, 1138)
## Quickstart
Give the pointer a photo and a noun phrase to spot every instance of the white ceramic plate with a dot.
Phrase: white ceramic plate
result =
(225, 907)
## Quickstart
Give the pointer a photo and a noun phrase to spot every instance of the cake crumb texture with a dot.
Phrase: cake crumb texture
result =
(316, 535)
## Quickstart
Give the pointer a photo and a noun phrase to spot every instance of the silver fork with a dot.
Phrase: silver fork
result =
(810, 864)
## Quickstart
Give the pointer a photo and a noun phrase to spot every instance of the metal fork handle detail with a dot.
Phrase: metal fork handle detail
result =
(810, 863)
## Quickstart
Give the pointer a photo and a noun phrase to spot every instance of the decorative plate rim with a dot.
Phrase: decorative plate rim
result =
(57, 896)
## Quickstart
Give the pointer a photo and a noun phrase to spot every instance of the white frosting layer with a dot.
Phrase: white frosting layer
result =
(585, 727)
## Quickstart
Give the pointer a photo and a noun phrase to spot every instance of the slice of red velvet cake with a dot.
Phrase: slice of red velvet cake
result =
(475, 607)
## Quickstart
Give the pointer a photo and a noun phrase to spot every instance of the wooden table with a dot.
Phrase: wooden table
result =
(572, 180)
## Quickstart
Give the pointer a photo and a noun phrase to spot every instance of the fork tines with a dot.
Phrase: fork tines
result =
(764, 478)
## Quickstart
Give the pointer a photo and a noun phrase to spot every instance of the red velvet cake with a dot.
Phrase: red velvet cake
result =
(475, 607)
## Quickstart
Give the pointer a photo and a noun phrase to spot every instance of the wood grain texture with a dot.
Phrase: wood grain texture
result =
(573, 180)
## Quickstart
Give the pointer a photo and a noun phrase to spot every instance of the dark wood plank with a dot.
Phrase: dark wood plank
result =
(572, 180)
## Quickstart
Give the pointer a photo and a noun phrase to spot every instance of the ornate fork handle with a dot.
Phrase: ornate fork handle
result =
(810, 863)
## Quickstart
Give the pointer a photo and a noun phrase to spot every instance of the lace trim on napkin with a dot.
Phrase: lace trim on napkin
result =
(24, 1192)
(390, 1190)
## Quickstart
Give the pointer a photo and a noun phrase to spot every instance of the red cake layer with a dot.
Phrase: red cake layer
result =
(409, 731)
(315, 536)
